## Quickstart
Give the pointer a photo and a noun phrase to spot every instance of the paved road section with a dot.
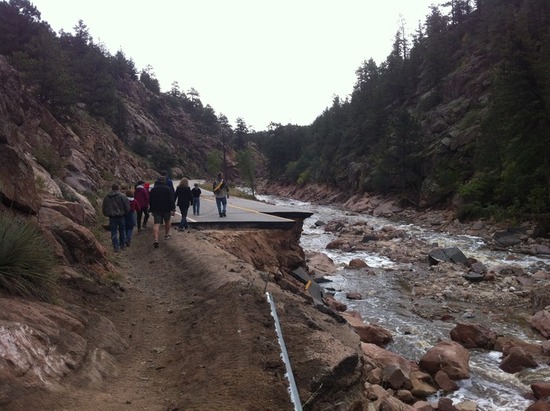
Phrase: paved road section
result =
(241, 213)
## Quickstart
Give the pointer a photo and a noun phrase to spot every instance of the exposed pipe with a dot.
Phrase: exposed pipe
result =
(293, 390)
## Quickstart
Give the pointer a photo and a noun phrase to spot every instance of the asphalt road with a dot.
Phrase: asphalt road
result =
(241, 213)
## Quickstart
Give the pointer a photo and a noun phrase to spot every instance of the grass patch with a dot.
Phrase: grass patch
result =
(26, 259)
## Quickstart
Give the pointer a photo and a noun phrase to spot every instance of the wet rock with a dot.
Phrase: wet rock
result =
(518, 359)
(357, 264)
(445, 404)
(444, 382)
(422, 386)
(541, 322)
(354, 296)
(448, 356)
(505, 343)
(466, 406)
(508, 238)
(539, 406)
(368, 238)
(541, 390)
(474, 335)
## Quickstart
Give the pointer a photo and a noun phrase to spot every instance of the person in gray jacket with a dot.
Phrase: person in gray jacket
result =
(115, 206)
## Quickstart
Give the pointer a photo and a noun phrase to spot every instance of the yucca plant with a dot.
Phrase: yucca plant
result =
(26, 259)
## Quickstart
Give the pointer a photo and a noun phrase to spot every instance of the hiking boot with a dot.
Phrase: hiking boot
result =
(167, 237)
(156, 244)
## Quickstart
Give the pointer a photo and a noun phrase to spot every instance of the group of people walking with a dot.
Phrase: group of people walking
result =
(125, 211)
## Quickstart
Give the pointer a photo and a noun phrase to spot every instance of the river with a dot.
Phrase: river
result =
(385, 303)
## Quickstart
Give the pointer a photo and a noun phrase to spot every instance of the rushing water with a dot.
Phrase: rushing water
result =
(383, 302)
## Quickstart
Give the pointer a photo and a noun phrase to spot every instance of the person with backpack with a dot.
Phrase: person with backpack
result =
(221, 191)
(130, 218)
(115, 206)
(196, 195)
(141, 195)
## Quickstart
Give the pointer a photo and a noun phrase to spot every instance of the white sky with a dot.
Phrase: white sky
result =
(262, 60)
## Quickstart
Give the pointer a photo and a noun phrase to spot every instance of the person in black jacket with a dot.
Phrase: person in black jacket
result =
(161, 205)
(183, 200)
(196, 194)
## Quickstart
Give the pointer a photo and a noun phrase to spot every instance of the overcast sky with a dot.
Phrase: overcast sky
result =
(262, 60)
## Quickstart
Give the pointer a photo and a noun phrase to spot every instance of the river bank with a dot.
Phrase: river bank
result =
(514, 286)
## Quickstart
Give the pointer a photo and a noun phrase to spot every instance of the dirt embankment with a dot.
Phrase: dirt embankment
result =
(188, 327)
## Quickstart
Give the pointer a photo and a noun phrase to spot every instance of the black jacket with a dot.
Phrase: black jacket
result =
(161, 199)
(183, 197)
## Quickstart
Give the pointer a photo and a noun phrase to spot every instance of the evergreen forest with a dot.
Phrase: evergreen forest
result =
(458, 113)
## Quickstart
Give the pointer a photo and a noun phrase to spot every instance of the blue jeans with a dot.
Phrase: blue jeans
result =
(118, 232)
(221, 202)
(196, 205)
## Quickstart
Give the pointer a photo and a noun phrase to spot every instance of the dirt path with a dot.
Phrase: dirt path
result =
(199, 332)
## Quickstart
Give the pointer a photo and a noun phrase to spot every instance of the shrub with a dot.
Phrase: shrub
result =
(48, 158)
(26, 259)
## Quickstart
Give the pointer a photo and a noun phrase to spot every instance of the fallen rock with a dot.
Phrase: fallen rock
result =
(474, 335)
(518, 359)
(449, 356)
(541, 322)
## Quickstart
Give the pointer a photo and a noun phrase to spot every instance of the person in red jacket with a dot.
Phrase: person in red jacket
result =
(141, 195)
(130, 217)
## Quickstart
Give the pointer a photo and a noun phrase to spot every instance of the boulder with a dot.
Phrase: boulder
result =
(444, 382)
(541, 322)
(17, 185)
(540, 298)
(518, 359)
(423, 406)
(368, 333)
(466, 406)
(357, 264)
(474, 335)
(335, 304)
(445, 404)
(384, 359)
(541, 390)
(354, 296)
(80, 247)
(539, 406)
(394, 404)
(505, 343)
(448, 356)
(507, 238)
